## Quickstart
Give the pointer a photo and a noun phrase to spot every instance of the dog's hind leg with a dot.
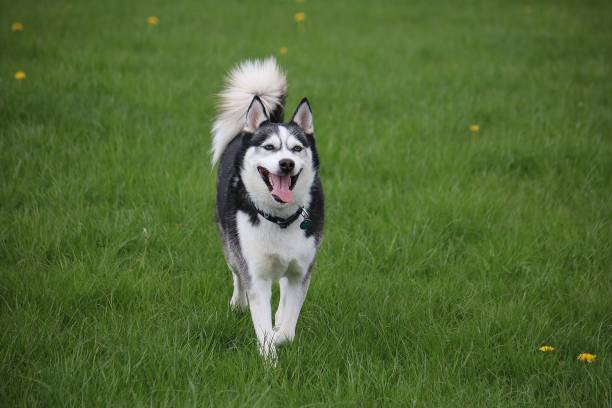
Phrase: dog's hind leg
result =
(238, 302)
(278, 316)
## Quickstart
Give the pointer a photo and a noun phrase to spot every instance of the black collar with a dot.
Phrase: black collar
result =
(281, 222)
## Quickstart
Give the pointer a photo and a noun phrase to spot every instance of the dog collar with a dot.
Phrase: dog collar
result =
(285, 222)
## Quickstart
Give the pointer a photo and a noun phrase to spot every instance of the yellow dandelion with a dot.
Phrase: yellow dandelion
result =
(546, 349)
(16, 26)
(299, 17)
(586, 357)
(20, 75)
(474, 128)
(152, 20)
(282, 51)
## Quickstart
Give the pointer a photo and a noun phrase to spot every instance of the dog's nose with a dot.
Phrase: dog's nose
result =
(286, 165)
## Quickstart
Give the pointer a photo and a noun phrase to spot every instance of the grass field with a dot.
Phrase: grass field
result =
(450, 256)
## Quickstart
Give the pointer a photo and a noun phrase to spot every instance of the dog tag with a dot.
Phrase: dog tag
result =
(305, 224)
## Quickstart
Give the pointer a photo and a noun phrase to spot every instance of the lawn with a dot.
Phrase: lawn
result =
(451, 254)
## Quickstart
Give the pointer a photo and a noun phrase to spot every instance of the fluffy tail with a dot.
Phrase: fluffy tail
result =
(248, 79)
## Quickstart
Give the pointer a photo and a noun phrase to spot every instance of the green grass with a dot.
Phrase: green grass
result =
(449, 257)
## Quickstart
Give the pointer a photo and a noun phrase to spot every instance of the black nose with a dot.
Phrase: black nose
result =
(286, 165)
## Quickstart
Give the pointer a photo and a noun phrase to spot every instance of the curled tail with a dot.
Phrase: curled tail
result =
(262, 78)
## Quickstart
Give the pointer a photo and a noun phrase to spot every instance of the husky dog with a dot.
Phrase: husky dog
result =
(269, 198)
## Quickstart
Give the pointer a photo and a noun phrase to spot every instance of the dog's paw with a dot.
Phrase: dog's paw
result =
(283, 337)
(238, 304)
(269, 355)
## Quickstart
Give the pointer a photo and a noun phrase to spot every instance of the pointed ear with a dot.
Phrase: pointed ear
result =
(256, 115)
(303, 117)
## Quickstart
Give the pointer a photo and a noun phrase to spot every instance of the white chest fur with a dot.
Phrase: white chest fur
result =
(272, 252)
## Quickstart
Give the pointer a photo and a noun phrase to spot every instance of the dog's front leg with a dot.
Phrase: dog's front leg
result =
(293, 293)
(259, 293)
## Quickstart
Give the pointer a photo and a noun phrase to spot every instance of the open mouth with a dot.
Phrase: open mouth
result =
(281, 187)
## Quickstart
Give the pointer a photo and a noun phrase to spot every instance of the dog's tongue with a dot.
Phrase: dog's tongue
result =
(280, 187)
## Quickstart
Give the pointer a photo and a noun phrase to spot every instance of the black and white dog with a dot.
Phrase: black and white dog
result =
(269, 198)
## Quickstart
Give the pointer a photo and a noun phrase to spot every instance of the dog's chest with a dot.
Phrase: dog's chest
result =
(274, 251)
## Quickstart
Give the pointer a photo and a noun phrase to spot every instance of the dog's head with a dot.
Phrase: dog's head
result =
(280, 161)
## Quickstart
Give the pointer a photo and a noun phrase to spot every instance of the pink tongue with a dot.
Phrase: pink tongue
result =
(280, 187)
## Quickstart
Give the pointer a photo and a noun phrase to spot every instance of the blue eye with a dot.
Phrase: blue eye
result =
(269, 147)
(297, 149)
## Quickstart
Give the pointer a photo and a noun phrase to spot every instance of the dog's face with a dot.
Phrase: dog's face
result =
(278, 168)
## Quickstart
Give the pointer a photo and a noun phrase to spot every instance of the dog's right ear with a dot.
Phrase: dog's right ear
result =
(255, 116)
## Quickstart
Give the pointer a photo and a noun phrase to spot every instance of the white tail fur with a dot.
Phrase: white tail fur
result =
(248, 79)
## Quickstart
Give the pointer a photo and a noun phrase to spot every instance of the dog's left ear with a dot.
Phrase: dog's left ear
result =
(303, 117)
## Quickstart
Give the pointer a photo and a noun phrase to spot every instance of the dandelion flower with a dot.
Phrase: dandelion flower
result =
(546, 349)
(299, 17)
(474, 128)
(586, 357)
(16, 26)
(282, 51)
(20, 75)
(152, 20)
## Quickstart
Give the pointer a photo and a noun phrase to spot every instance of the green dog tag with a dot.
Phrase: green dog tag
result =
(305, 224)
